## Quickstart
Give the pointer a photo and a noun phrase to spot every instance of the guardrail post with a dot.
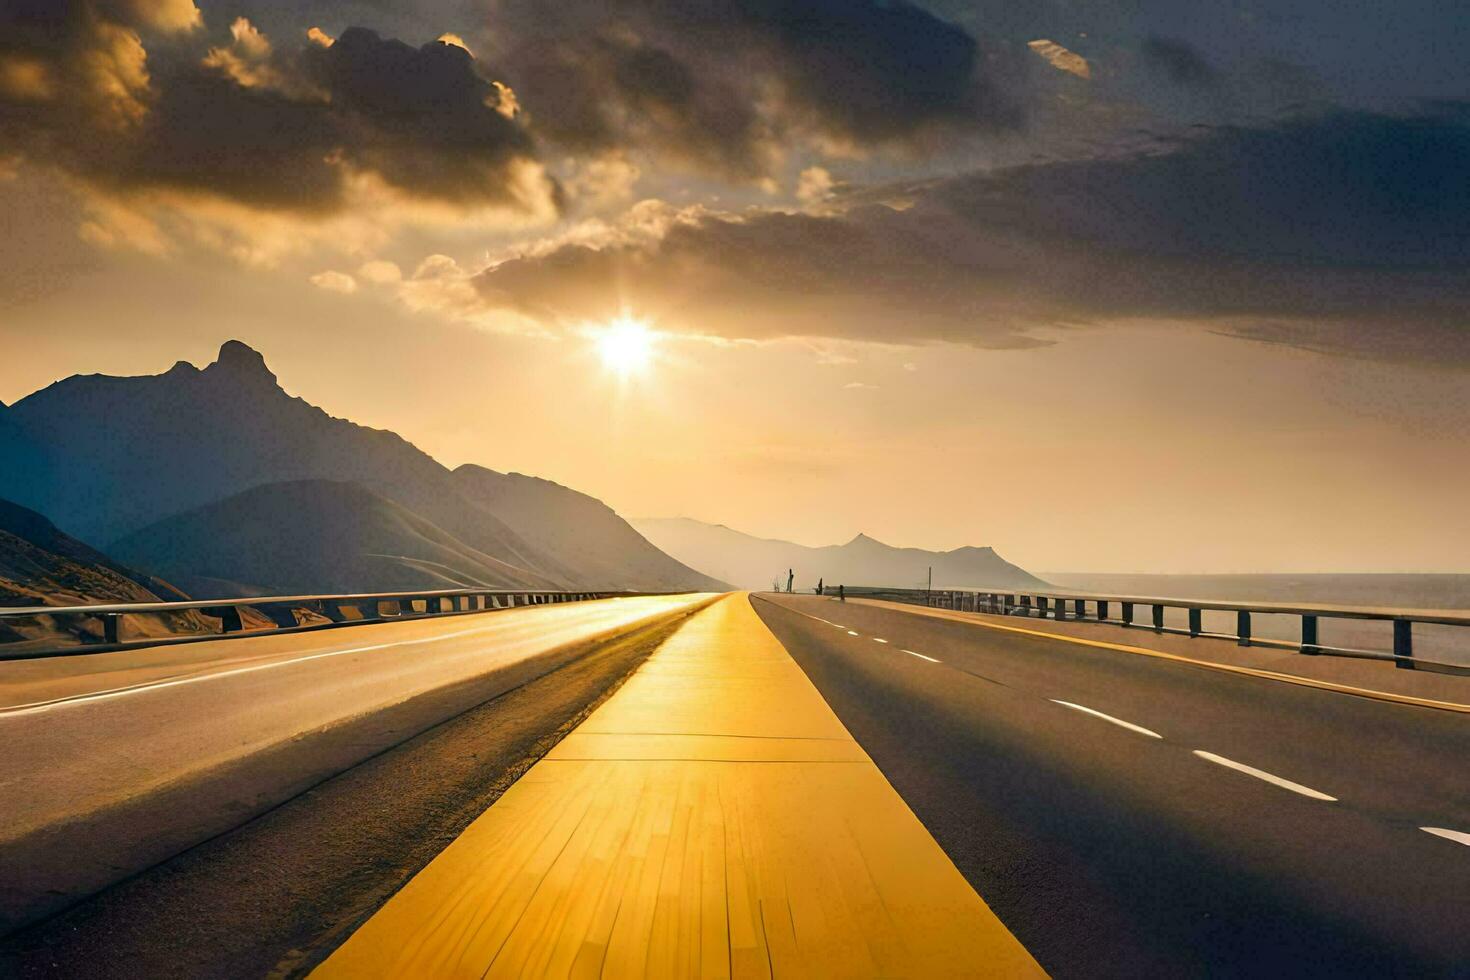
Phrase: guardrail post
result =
(1079, 608)
(1195, 622)
(1403, 643)
(1309, 635)
(110, 627)
(1102, 610)
(1158, 618)
(1127, 613)
(1025, 605)
(405, 607)
(1243, 627)
(282, 616)
(229, 618)
(1059, 609)
(1042, 606)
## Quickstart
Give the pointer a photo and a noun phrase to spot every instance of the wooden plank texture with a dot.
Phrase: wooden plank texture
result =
(713, 818)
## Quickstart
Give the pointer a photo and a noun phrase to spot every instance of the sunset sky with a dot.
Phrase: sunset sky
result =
(1110, 286)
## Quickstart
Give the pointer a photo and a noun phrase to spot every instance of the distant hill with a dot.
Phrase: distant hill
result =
(108, 457)
(580, 533)
(753, 563)
(309, 536)
(41, 566)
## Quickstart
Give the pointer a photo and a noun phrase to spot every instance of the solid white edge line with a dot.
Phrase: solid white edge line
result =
(879, 639)
(1266, 776)
(921, 656)
(146, 686)
(1117, 721)
(1458, 836)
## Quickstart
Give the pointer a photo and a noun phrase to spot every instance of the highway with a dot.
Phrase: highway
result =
(116, 761)
(1131, 816)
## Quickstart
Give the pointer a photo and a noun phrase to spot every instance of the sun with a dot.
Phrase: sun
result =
(625, 345)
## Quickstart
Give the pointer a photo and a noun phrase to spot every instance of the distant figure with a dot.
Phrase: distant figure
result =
(819, 586)
(790, 577)
(841, 594)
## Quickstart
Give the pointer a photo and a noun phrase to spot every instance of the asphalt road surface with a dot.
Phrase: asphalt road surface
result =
(1127, 816)
(116, 761)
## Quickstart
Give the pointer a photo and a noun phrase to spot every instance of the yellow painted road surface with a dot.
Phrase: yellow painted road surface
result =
(712, 818)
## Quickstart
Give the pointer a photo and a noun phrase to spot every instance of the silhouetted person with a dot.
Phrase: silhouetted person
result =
(790, 577)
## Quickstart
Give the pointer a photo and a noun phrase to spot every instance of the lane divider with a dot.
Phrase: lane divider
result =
(1458, 836)
(1266, 776)
(1117, 721)
(921, 656)
(879, 639)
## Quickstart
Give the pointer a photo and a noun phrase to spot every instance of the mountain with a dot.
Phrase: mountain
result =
(109, 457)
(118, 454)
(754, 563)
(41, 566)
(577, 531)
(308, 536)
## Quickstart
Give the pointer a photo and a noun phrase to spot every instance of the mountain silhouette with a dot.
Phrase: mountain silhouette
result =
(754, 563)
(307, 536)
(108, 457)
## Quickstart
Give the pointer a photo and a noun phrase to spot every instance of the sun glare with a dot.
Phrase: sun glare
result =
(625, 345)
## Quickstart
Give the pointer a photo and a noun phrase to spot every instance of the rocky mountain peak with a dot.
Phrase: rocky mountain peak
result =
(240, 361)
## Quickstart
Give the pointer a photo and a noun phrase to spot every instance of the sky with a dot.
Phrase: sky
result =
(1115, 286)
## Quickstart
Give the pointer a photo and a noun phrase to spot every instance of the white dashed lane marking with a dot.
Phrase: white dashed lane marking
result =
(879, 639)
(1458, 836)
(1266, 776)
(921, 656)
(1116, 721)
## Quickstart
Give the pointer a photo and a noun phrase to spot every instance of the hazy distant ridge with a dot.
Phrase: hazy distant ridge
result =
(752, 562)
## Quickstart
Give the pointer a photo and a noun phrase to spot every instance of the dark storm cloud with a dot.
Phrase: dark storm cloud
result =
(1346, 231)
(601, 92)
(1178, 61)
(244, 121)
(721, 84)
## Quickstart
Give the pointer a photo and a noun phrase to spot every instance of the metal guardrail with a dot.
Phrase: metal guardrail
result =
(1093, 607)
(281, 610)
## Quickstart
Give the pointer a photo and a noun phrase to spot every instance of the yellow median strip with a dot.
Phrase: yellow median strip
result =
(712, 818)
(1212, 665)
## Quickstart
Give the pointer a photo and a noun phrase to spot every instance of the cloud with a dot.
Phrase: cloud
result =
(72, 64)
(380, 271)
(729, 89)
(312, 130)
(1061, 58)
(335, 282)
(814, 185)
(1178, 61)
(1341, 231)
